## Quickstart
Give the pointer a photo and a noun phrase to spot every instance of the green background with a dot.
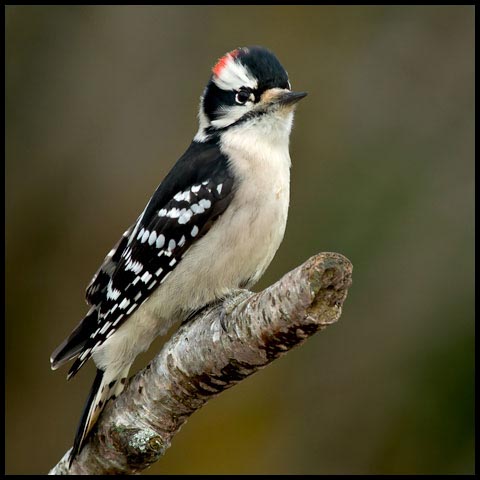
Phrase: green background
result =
(101, 101)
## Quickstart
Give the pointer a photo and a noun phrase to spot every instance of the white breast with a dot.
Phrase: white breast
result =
(239, 246)
(243, 241)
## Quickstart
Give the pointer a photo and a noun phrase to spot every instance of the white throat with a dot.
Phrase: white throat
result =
(260, 138)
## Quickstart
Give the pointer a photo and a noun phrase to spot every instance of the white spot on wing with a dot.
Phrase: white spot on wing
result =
(194, 231)
(165, 277)
(105, 327)
(136, 267)
(196, 209)
(171, 245)
(181, 242)
(185, 217)
(196, 188)
(182, 196)
(146, 277)
(205, 203)
(160, 241)
(173, 262)
(174, 213)
(112, 294)
(146, 234)
(137, 225)
(125, 303)
(131, 309)
(152, 237)
(219, 188)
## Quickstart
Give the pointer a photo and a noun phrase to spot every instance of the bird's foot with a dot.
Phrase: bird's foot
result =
(228, 302)
(234, 298)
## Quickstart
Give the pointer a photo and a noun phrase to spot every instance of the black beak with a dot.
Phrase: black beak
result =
(289, 98)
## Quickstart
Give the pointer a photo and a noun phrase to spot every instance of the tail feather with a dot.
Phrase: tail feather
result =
(76, 341)
(105, 386)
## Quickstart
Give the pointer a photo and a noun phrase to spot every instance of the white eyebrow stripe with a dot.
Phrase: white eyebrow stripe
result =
(234, 75)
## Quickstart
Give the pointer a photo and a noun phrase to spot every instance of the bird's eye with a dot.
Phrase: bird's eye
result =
(242, 97)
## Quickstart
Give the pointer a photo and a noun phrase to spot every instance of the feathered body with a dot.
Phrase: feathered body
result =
(213, 225)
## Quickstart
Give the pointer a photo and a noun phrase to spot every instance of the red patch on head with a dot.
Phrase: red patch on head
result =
(222, 63)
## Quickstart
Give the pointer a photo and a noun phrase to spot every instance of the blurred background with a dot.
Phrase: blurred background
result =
(102, 100)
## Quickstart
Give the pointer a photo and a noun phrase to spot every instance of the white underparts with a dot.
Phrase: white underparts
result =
(239, 246)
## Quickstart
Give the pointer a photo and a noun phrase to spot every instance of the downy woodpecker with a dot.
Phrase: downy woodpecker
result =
(212, 226)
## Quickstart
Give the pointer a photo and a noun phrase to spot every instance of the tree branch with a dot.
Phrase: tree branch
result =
(218, 348)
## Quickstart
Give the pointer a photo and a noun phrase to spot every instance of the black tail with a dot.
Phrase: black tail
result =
(82, 430)
(76, 341)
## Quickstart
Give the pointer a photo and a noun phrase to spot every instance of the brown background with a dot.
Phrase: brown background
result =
(101, 101)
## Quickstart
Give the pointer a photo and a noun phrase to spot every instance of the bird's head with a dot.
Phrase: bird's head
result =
(248, 88)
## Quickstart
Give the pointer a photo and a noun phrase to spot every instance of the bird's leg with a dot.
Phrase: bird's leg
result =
(202, 309)
(234, 298)
(229, 302)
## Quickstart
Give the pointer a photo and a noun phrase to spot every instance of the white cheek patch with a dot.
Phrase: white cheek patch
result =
(203, 121)
(229, 115)
(230, 74)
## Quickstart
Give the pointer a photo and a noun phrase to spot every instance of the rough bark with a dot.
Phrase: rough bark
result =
(218, 348)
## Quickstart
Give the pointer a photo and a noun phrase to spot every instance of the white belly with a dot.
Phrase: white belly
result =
(237, 249)
(235, 252)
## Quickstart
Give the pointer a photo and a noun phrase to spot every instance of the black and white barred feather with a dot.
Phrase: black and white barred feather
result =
(238, 165)
(181, 211)
(184, 207)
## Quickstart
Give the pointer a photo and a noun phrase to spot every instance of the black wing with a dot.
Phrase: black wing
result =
(96, 289)
(184, 207)
(77, 340)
